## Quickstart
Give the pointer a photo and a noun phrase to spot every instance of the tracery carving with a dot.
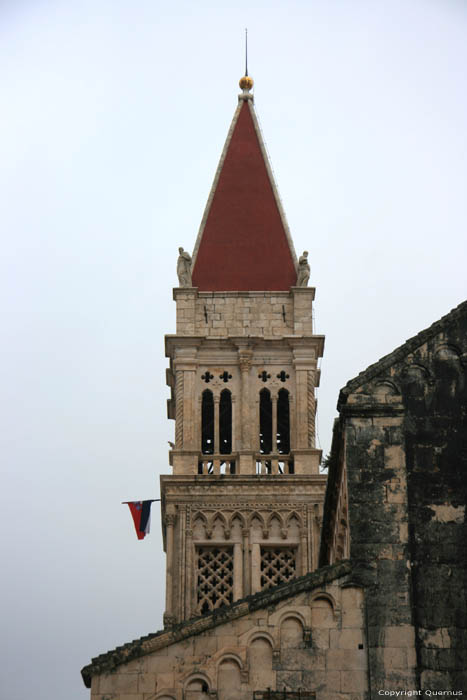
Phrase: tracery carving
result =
(214, 577)
(278, 565)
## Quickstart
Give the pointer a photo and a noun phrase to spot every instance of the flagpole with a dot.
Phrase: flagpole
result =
(144, 499)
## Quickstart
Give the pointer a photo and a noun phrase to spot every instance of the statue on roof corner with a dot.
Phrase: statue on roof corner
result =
(303, 270)
(184, 268)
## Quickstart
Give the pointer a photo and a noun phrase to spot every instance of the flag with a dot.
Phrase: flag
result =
(141, 512)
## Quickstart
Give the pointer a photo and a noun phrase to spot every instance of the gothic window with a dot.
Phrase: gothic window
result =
(283, 376)
(225, 376)
(207, 423)
(283, 422)
(214, 577)
(264, 376)
(207, 376)
(278, 565)
(265, 422)
(225, 423)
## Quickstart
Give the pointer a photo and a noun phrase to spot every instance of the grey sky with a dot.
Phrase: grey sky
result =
(114, 115)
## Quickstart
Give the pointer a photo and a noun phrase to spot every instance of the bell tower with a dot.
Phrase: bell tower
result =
(241, 511)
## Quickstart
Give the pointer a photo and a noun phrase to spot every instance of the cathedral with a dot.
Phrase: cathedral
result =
(282, 581)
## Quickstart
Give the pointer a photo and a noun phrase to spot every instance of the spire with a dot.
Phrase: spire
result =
(244, 243)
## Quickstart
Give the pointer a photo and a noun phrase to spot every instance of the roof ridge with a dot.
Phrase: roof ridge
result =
(402, 350)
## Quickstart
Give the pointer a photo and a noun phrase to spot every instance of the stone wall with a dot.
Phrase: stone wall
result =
(264, 314)
(311, 641)
(401, 437)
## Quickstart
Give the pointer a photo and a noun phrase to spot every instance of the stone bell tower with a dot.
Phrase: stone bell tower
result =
(241, 511)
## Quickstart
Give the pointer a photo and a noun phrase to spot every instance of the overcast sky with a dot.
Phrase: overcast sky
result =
(114, 114)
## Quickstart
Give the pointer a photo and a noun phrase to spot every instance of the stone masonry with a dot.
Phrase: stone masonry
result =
(400, 451)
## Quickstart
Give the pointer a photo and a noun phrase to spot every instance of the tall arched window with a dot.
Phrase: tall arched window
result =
(225, 423)
(283, 422)
(207, 423)
(265, 422)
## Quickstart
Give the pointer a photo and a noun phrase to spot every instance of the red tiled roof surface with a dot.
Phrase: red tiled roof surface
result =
(244, 245)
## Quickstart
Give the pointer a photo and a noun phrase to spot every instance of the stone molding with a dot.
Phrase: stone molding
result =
(105, 663)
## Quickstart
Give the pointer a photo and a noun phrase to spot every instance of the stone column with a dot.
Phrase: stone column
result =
(311, 409)
(301, 379)
(237, 572)
(246, 561)
(178, 408)
(303, 551)
(216, 424)
(189, 419)
(181, 562)
(188, 572)
(274, 424)
(245, 357)
(169, 525)
(234, 424)
(255, 567)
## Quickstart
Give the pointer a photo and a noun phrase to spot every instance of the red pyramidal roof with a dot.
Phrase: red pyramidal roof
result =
(243, 243)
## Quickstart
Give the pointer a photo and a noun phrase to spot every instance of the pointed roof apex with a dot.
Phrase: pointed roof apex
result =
(244, 243)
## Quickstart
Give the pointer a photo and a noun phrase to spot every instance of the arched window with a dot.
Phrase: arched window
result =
(265, 422)
(283, 422)
(225, 423)
(207, 423)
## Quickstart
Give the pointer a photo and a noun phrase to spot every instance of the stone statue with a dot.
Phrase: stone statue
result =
(303, 270)
(184, 268)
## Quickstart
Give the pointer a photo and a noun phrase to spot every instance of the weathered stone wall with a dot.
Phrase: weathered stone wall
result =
(402, 438)
(311, 641)
(264, 314)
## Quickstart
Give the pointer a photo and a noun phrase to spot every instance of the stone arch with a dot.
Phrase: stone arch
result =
(385, 387)
(293, 514)
(292, 629)
(219, 526)
(323, 595)
(447, 351)
(260, 651)
(275, 515)
(198, 680)
(293, 613)
(416, 369)
(261, 634)
(230, 656)
(256, 515)
(450, 377)
(164, 694)
(322, 611)
(415, 378)
(236, 515)
(293, 524)
(229, 677)
(200, 526)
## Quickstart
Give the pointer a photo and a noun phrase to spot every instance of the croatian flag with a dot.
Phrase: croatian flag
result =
(141, 512)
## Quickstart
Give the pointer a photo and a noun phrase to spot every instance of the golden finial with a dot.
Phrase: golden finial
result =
(246, 83)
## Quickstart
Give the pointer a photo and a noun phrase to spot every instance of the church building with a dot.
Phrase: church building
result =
(275, 586)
